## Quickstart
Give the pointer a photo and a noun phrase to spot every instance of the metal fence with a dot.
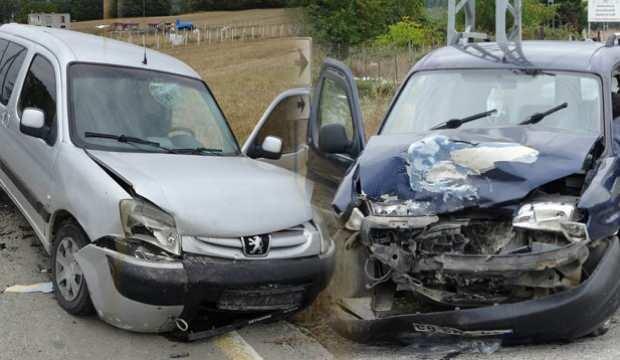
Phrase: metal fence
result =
(203, 34)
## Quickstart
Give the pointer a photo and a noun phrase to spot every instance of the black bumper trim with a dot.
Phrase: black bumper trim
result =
(149, 285)
(567, 315)
(203, 279)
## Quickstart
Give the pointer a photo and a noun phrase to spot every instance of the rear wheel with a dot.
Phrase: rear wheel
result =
(69, 284)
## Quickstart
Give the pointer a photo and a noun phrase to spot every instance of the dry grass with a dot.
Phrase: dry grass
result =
(244, 76)
(256, 16)
(373, 111)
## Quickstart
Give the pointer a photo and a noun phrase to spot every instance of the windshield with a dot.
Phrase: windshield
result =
(432, 98)
(155, 111)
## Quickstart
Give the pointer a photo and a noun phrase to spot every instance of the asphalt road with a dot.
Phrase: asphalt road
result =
(32, 326)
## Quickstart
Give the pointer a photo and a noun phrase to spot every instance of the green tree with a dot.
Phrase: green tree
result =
(572, 13)
(134, 8)
(408, 31)
(206, 5)
(81, 10)
(534, 14)
(8, 9)
(343, 23)
(25, 7)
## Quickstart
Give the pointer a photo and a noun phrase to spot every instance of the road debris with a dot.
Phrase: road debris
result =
(179, 355)
(45, 288)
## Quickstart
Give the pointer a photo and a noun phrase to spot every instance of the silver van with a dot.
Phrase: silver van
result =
(123, 163)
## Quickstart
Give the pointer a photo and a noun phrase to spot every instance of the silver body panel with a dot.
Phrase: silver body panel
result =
(111, 306)
(210, 197)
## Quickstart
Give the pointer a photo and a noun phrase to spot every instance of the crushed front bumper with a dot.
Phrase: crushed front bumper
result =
(566, 315)
(146, 296)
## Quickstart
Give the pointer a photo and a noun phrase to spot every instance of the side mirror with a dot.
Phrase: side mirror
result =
(271, 148)
(333, 139)
(32, 123)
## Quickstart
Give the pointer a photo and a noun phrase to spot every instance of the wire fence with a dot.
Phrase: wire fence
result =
(384, 64)
(199, 35)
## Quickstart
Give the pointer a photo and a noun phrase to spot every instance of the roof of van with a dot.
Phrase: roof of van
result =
(585, 56)
(72, 46)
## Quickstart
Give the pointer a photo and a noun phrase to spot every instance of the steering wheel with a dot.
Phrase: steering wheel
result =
(180, 130)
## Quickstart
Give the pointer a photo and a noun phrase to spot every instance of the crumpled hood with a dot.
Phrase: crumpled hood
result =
(448, 170)
(212, 195)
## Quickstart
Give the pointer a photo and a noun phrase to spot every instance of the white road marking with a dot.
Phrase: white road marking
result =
(235, 347)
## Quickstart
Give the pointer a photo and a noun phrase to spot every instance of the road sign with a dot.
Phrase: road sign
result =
(603, 10)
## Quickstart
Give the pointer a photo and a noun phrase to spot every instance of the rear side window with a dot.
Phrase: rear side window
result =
(9, 69)
(39, 90)
(3, 45)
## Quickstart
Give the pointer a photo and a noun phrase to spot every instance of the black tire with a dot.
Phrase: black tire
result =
(602, 329)
(79, 302)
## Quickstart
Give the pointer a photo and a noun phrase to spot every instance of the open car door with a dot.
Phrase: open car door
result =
(320, 142)
(335, 132)
(286, 119)
(321, 137)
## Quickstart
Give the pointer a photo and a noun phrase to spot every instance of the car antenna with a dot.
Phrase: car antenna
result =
(145, 60)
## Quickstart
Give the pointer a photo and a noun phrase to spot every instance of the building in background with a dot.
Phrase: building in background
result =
(60, 21)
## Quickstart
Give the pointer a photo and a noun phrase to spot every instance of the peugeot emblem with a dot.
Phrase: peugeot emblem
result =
(257, 245)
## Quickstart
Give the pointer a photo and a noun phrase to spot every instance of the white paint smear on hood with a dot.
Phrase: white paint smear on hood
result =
(483, 158)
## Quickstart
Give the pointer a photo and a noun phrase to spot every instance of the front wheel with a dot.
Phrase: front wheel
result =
(69, 283)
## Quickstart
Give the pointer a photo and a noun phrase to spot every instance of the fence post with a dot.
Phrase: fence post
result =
(395, 68)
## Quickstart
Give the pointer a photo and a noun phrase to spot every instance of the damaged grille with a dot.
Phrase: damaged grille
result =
(261, 299)
(296, 242)
(468, 263)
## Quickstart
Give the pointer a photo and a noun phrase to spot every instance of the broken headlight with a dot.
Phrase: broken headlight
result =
(326, 241)
(551, 216)
(145, 222)
(398, 208)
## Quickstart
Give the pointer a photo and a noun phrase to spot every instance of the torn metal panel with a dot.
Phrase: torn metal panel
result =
(601, 199)
(521, 160)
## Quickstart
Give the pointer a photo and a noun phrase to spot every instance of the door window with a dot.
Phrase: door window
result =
(10, 65)
(289, 122)
(39, 91)
(334, 106)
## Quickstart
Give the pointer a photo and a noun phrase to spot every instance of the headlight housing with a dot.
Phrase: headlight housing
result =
(145, 222)
(551, 216)
(326, 241)
(398, 208)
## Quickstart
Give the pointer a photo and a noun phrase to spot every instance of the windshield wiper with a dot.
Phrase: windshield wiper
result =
(535, 118)
(454, 123)
(532, 72)
(198, 150)
(126, 139)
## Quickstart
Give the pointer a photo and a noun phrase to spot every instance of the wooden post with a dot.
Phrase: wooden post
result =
(395, 68)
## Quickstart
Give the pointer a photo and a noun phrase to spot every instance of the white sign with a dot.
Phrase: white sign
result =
(603, 10)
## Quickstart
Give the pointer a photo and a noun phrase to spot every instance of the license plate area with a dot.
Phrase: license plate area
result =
(261, 299)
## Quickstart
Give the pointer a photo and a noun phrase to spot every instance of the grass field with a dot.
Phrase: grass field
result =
(244, 76)
(256, 16)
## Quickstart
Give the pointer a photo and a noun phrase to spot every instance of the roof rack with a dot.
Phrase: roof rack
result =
(503, 8)
(507, 40)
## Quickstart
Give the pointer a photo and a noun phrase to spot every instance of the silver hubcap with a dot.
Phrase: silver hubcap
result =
(69, 276)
